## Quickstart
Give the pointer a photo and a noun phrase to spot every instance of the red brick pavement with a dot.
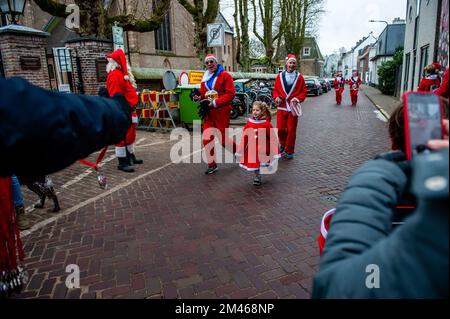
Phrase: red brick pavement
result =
(176, 233)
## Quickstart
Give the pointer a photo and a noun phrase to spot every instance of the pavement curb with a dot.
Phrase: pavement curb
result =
(385, 114)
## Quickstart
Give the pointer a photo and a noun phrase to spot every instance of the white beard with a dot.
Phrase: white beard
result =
(112, 65)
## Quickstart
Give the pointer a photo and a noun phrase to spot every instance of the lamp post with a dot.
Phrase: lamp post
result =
(13, 8)
(379, 21)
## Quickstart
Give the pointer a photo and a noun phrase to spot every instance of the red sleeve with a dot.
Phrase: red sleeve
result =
(229, 91)
(276, 87)
(244, 140)
(301, 96)
(203, 89)
(115, 83)
(423, 86)
(359, 81)
(443, 89)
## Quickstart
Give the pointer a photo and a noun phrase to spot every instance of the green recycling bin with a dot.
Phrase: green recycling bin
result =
(188, 108)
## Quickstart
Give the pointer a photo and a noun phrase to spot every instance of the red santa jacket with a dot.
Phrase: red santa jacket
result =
(223, 84)
(297, 92)
(339, 83)
(258, 154)
(429, 83)
(115, 83)
(443, 89)
(354, 83)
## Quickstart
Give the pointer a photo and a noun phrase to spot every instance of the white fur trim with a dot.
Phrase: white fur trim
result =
(251, 120)
(126, 77)
(121, 151)
(214, 104)
(283, 109)
(134, 119)
(248, 168)
(323, 230)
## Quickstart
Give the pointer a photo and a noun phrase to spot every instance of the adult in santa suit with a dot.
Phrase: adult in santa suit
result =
(431, 80)
(218, 81)
(354, 82)
(121, 80)
(339, 83)
(289, 91)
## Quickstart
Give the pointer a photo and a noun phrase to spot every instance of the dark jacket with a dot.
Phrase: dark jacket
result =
(413, 259)
(43, 131)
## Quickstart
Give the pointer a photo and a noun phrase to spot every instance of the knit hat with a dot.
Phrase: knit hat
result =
(291, 57)
(437, 66)
(211, 56)
(119, 57)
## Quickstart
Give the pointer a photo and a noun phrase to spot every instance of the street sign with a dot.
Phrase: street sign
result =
(118, 38)
(195, 77)
(216, 35)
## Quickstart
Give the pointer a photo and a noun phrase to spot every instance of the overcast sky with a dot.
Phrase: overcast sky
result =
(345, 21)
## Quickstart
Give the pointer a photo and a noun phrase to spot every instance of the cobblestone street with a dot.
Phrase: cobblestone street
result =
(169, 231)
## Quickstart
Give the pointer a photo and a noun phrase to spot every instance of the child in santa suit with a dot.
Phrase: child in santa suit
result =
(259, 147)
(121, 80)
(289, 91)
(354, 82)
(431, 80)
(339, 83)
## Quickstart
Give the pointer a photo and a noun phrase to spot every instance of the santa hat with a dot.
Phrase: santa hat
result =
(119, 57)
(324, 227)
(211, 56)
(437, 66)
(291, 57)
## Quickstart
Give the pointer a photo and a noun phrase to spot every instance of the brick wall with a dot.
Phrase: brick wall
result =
(14, 46)
(89, 51)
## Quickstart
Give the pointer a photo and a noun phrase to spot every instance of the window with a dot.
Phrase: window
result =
(224, 49)
(3, 21)
(407, 64)
(163, 36)
(229, 50)
(424, 57)
(306, 51)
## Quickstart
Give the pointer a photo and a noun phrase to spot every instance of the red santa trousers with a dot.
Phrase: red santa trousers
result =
(339, 95)
(218, 119)
(354, 96)
(287, 130)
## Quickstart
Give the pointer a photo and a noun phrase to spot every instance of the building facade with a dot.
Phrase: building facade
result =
(390, 39)
(421, 40)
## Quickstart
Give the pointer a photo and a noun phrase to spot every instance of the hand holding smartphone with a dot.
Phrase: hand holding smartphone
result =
(423, 121)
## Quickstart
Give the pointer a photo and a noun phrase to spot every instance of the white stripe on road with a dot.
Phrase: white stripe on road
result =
(93, 199)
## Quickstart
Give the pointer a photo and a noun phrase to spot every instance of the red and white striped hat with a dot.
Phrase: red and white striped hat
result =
(324, 226)
(291, 57)
(211, 56)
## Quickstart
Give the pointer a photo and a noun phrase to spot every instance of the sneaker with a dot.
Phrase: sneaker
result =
(258, 180)
(290, 156)
(22, 219)
(211, 170)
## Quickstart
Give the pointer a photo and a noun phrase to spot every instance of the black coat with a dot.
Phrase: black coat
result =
(44, 131)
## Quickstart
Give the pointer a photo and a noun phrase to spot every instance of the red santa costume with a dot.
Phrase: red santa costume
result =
(119, 80)
(324, 227)
(443, 90)
(354, 82)
(218, 117)
(290, 88)
(259, 145)
(339, 84)
(429, 83)
(11, 250)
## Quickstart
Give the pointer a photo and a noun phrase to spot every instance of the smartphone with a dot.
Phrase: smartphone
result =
(423, 121)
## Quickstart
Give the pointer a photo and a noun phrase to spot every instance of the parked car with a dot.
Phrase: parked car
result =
(331, 81)
(325, 85)
(314, 86)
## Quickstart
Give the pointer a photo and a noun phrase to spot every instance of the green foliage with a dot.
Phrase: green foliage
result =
(386, 73)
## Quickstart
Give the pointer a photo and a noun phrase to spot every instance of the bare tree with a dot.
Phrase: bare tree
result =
(265, 14)
(202, 17)
(241, 24)
(96, 18)
(297, 17)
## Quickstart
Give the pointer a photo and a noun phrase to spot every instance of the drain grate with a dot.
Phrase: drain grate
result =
(329, 198)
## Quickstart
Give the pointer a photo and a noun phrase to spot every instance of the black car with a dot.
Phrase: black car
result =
(325, 85)
(314, 87)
